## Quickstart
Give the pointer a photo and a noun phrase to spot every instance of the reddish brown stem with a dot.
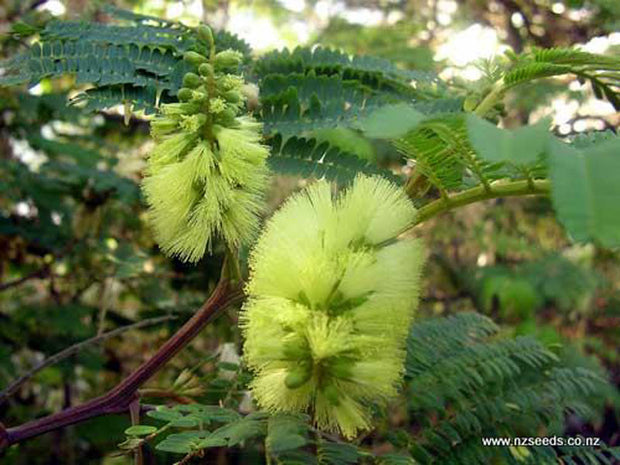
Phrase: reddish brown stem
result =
(120, 397)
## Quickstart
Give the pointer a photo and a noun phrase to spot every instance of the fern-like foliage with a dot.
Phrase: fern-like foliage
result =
(463, 152)
(169, 36)
(100, 98)
(298, 103)
(374, 72)
(136, 64)
(304, 102)
(288, 439)
(451, 151)
(309, 158)
(103, 54)
(310, 86)
(447, 156)
(465, 383)
(224, 39)
(309, 89)
(442, 153)
(603, 72)
(456, 151)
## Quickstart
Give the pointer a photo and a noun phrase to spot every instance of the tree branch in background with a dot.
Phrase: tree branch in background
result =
(63, 354)
(40, 273)
(44, 272)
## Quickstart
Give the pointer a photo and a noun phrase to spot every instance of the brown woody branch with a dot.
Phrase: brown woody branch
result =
(118, 399)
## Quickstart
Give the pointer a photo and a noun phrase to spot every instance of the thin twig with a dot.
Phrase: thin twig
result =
(59, 356)
(43, 272)
(40, 273)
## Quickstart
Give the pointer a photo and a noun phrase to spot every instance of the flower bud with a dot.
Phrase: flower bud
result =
(230, 82)
(204, 32)
(199, 96)
(184, 94)
(331, 394)
(228, 59)
(163, 126)
(295, 350)
(299, 375)
(205, 69)
(195, 58)
(341, 368)
(184, 377)
(227, 116)
(180, 109)
(232, 96)
(193, 123)
(191, 80)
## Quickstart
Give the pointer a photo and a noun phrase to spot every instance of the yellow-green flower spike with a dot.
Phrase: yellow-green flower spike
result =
(332, 292)
(207, 173)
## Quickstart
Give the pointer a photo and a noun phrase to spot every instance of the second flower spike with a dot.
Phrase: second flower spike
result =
(207, 173)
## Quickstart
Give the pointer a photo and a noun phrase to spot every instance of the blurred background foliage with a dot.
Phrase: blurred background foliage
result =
(78, 261)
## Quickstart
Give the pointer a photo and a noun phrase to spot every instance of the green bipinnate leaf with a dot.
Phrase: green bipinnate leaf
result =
(140, 430)
(174, 446)
(164, 414)
(211, 441)
(174, 418)
(332, 453)
(396, 459)
(286, 432)
(586, 190)
(391, 121)
(522, 146)
(238, 431)
(347, 140)
(185, 422)
(182, 443)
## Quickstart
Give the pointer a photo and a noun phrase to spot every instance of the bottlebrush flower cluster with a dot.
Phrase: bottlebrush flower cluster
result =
(332, 294)
(207, 173)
